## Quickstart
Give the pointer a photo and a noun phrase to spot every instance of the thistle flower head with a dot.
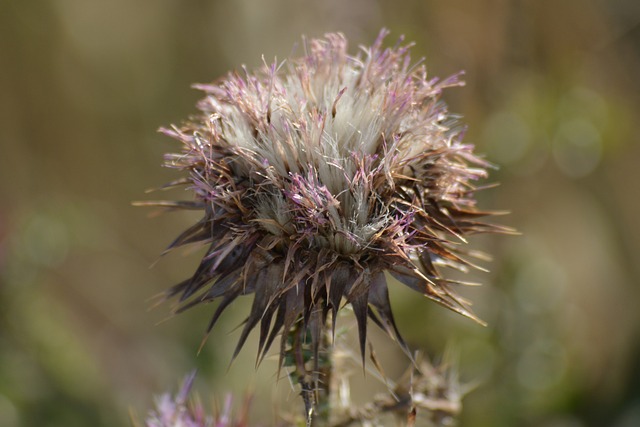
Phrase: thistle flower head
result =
(183, 411)
(317, 176)
(176, 411)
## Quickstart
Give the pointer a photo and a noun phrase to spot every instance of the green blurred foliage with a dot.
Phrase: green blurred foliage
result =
(552, 96)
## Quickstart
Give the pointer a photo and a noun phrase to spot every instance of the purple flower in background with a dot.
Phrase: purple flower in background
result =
(181, 411)
(315, 178)
(177, 411)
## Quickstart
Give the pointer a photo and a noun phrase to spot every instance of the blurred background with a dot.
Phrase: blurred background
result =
(552, 96)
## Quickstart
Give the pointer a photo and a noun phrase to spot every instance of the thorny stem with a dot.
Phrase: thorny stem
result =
(315, 381)
(325, 376)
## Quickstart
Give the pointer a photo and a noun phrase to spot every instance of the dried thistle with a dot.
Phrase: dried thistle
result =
(432, 391)
(317, 176)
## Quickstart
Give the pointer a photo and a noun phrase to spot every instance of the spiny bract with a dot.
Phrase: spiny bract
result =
(317, 176)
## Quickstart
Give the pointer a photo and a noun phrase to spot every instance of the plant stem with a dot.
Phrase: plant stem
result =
(315, 381)
(324, 380)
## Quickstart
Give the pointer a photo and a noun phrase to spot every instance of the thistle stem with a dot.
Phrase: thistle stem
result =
(315, 381)
(324, 379)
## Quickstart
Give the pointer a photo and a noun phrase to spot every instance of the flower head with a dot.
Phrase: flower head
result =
(182, 411)
(317, 176)
(176, 411)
